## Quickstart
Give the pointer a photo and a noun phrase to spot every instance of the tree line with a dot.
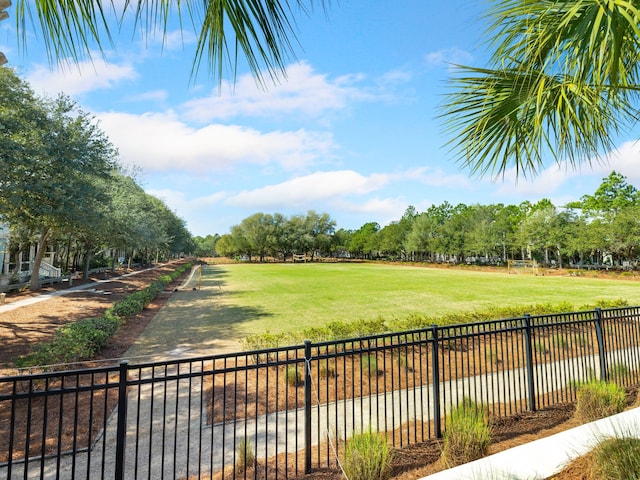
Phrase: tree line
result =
(599, 229)
(62, 188)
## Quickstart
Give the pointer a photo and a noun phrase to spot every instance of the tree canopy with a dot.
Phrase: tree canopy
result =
(61, 182)
(600, 230)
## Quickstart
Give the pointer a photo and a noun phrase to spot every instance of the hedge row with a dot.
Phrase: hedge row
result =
(81, 340)
(340, 330)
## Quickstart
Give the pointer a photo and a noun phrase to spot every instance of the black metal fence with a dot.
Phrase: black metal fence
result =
(281, 412)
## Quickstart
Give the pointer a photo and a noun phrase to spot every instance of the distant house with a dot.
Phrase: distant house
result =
(11, 272)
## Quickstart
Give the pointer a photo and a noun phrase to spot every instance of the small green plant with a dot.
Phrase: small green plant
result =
(467, 434)
(541, 347)
(560, 341)
(294, 378)
(597, 399)
(618, 372)
(617, 458)
(369, 364)
(580, 340)
(491, 356)
(403, 361)
(325, 370)
(367, 456)
(245, 458)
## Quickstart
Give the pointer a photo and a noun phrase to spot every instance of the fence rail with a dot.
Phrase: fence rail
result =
(281, 412)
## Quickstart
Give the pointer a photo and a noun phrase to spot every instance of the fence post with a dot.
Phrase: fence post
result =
(307, 406)
(528, 346)
(121, 432)
(604, 373)
(435, 374)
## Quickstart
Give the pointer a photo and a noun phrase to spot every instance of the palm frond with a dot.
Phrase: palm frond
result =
(563, 79)
(503, 119)
(261, 31)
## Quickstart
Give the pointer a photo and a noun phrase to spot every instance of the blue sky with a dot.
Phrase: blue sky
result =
(352, 131)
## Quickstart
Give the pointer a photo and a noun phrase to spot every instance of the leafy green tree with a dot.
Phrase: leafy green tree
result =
(321, 228)
(226, 246)
(364, 242)
(51, 155)
(257, 230)
(613, 194)
(483, 236)
(206, 246)
(340, 242)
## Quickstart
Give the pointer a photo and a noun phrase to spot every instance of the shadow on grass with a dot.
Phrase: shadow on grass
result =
(197, 320)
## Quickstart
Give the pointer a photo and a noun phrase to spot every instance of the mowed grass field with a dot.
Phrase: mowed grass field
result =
(245, 299)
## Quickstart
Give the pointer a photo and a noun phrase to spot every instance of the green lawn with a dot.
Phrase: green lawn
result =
(254, 298)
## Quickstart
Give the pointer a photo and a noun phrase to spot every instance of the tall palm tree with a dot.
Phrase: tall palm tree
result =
(260, 30)
(563, 78)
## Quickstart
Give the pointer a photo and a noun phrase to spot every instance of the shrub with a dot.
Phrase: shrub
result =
(617, 458)
(367, 456)
(128, 307)
(369, 364)
(81, 340)
(467, 434)
(326, 370)
(73, 342)
(598, 399)
(245, 456)
(560, 341)
(294, 378)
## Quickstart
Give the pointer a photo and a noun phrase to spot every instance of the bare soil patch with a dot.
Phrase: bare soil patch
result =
(24, 327)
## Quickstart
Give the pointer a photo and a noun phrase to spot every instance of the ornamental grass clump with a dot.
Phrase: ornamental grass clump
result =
(367, 456)
(467, 434)
(616, 458)
(294, 377)
(597, 399)
(245, 457)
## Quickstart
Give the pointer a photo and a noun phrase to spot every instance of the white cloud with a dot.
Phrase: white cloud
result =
(178, 201)
(162, 142)
(560, 180)
(78, 79)
(448, 56)
(177, 39)
(625, 160)
(153, 96)
(435, 177)
(318, 186)
(545, 184)
(303, 92)
(385, 210)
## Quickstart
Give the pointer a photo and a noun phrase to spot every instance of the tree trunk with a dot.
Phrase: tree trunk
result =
(35, 273)
(87, 263)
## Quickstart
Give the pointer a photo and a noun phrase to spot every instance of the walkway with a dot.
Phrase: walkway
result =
(57, 293)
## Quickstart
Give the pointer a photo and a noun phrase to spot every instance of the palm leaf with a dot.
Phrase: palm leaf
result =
(260, 30)
(502, 119)
(563, 79)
